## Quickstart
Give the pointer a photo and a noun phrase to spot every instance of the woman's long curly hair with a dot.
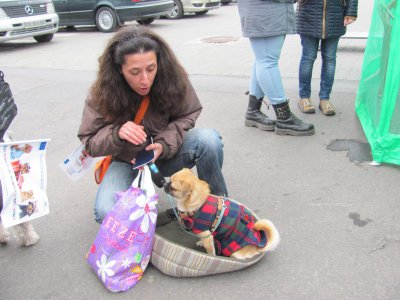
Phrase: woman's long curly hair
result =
(112, 94)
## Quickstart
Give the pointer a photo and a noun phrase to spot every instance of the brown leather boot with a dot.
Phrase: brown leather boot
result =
(306, 106)
(326, 108)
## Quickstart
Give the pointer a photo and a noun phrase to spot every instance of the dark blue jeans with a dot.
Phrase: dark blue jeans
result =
(201, 148)
(309, 54)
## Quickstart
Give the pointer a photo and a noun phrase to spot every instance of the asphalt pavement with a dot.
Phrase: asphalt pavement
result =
(337, 214)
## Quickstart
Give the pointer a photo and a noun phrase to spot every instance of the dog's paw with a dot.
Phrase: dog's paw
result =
(30, 239)
(27, 235)
(210, 250)
(4, 237)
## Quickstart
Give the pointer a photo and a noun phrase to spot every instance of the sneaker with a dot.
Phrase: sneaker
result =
(306, 106)
(326, 108)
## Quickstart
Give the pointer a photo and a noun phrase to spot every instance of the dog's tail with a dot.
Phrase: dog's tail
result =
(272, 233)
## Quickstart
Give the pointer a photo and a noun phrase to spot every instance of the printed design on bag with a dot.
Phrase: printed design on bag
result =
(105, 267)
(27, 210)
(16, 151)
(137, 273)
(121, 232)
(138, 257)
(20, 169)
(27, 195)
(147, 210)
(124, 202)
(126, 263)
(83, 157)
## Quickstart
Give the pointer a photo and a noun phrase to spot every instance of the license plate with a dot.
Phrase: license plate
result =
(34, 23)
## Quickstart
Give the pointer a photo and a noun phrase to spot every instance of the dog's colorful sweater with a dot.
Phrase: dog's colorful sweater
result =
(235, 231)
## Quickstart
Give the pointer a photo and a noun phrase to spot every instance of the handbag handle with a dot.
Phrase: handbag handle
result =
(142, 110)
(102, 165)
(144, 182)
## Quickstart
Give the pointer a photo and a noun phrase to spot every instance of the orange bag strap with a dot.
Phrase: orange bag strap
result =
(103, 164)
(142, 109)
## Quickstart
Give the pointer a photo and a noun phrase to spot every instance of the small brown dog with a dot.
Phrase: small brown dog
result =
(223, 225)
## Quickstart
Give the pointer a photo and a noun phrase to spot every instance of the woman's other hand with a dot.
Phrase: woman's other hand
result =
(132, 133)
(348, 20)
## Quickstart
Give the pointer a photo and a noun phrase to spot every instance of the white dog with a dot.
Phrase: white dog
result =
(24, 232)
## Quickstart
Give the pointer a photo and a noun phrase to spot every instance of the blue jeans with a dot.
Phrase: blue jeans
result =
(201, 148)
(266, 78)
(308, 56)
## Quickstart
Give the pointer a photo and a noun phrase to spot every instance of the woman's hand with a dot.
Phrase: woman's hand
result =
(132, 133)
(156, 147)
(348, 20)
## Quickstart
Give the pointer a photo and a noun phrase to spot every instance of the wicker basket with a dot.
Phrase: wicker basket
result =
(175, 253)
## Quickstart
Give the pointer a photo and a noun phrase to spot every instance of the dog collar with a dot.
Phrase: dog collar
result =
(186, 217)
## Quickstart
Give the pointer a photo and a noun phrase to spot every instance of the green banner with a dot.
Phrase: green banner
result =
(378, 99)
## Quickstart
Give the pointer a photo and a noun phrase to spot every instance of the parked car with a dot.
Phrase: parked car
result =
(108, 15)
(22, 19)
(199, 7)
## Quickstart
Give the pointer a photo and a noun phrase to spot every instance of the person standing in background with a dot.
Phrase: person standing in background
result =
(321, 22)
(266, 23)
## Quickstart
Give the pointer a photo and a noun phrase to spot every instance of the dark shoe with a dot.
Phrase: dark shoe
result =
(288, 123)
(171, 213)
(165, 217)
(255, 118)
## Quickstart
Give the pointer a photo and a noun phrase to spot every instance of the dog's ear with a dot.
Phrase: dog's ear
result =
(200, 189)
(187, 187)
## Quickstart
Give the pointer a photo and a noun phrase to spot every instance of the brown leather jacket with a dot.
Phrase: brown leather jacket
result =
(101, 138)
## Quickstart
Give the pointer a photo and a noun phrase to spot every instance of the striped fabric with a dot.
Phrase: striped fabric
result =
(177, 260)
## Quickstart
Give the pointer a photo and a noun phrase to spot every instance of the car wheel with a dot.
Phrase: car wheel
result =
(44, 38)
(106, 19)
(70, 28)
(199, 13)
(145, 21)
(176, 12)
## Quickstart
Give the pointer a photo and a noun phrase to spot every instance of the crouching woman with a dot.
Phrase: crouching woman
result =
(138, 66)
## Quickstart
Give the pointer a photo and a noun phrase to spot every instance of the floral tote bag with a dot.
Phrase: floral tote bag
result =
(121, 251)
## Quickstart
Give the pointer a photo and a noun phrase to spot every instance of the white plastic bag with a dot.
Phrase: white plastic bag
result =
(143, 181)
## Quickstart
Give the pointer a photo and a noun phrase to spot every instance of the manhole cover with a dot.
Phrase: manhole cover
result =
(219, 39)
